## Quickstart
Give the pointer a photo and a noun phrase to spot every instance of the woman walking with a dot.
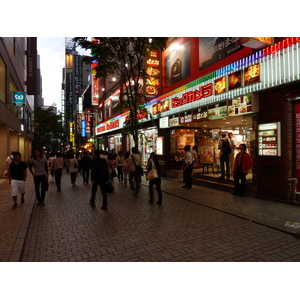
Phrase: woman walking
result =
(38, 167)
(135, 163)
(73, 167)
(120, 162)
(126, 169)
(154, 164)
(111, 163)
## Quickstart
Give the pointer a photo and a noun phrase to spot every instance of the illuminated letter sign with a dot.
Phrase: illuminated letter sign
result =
(203, 92)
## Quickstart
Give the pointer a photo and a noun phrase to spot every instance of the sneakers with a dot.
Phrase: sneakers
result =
(104, 207)
(92, 203)
(15, 205)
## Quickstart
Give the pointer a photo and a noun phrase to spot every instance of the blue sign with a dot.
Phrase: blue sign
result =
(18, 98)
(83, 128)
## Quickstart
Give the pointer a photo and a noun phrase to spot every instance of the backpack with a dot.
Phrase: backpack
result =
(226, 150)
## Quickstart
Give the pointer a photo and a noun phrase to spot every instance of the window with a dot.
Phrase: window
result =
(2, 81)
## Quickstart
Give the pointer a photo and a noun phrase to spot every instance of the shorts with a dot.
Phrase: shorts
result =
(17, 186)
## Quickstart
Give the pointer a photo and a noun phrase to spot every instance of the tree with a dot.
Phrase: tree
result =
(124, 56)
(47, 127)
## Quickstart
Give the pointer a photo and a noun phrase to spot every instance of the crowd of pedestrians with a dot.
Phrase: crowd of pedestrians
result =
(102, 168)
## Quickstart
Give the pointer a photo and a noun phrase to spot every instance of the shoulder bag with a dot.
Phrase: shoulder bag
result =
(152, 174)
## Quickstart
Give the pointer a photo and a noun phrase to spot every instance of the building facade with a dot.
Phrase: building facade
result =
(245, 86)
(19, 90)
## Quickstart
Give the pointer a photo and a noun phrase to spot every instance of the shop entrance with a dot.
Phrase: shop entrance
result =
(205, 135)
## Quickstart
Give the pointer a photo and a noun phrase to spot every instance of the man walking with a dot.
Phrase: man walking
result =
(85, 164)
(17, 176)
(99, 176)
(56, 168)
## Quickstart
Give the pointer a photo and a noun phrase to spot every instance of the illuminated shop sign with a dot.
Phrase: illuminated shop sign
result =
(240, 105)
(217, 111)
(160, 107)
(153, 73)
(200, 116)
(269, 139)
(18, 98)
(186, 119)
(164, 122)
(174, 122)
(202, 92)
(83, 128)
(95, 87)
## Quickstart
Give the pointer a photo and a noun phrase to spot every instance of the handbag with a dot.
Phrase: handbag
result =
(138, 169)
(152, 174)
(108, 188)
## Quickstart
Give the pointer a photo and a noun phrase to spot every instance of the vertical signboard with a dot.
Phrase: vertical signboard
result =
(297, 142)
(269, 139)
(153, 73)
(32, 81)
(76, 74)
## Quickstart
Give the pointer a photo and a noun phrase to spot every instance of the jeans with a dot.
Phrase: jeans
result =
(102, 188)
(57, 175)
(137, 178)
(157, 183)
(120, 174)
(40, 181)
(224, 159)
(85, 175)
(73, 177)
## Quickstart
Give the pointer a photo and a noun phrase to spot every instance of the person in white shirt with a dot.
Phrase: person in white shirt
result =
(187, 168)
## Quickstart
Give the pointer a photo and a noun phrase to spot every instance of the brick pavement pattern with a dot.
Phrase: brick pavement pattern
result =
(198, 225)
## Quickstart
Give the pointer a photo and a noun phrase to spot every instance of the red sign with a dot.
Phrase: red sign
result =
(112, 125)
(203, 92)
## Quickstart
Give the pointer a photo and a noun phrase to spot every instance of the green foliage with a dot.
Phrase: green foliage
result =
(124, 57)
(47, 127)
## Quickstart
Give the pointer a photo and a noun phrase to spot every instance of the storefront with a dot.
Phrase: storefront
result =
(237, 98)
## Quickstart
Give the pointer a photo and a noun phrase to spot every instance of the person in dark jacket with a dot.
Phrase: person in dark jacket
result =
(85, 165)
(99, 176)
(157, 181)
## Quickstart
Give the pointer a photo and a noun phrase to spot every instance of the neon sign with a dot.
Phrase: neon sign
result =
(203, 92)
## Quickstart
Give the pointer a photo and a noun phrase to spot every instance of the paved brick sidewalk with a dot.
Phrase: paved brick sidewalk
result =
(14, 222)
(68, 229)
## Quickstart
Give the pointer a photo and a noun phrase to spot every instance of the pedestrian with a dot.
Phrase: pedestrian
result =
(225, 150)
(135, 163)
(120, 162)
(17, 176)
(153, 163)
(99, 176)
(187, 168)
(72, 166)
(85, 167)
(57, 164)
(242, 164)
(126, 168)
(114, 154)
(38, 167)
(232, 146)
(9, 159)
(111, 169)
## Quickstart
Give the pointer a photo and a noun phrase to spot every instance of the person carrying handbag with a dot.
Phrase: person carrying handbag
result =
(134, 161)
(154, 164)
